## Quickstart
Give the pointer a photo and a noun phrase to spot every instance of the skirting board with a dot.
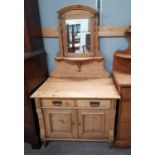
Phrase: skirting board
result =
(105, 31)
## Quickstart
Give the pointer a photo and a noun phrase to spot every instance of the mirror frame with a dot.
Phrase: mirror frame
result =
(67, 13)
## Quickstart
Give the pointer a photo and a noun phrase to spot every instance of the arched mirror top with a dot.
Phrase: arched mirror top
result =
(78, 31)
(76, 7)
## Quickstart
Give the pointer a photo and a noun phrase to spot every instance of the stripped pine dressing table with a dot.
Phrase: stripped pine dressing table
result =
(78, 100)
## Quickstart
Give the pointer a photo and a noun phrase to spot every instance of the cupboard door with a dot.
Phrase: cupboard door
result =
(93, 124)
(60, 123)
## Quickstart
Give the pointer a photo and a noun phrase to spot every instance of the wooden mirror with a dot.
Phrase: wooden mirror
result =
(78, 31)
(79, 54)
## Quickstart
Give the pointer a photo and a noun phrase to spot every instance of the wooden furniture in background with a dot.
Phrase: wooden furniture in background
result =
(123, 126)
(122, 78)
(31, 23)
(122, 59)
(35, 71)
(78, 101)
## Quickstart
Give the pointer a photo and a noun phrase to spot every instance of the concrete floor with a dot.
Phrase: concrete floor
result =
(75, 148)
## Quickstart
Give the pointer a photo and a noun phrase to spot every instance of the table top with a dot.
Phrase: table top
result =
(122, 79)
(81, 88)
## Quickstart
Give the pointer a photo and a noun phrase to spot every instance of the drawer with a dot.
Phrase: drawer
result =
(126, 94)
(94, 103)
(58, 103)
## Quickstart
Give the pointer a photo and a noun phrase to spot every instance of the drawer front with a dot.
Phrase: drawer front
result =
(126, 94)
(94, 103)
(58, 103)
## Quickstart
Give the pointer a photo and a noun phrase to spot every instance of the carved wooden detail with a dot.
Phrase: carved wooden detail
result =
(79, 61)
(76, 7)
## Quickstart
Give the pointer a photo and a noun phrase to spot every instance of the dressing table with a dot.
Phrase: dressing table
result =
(78, 100)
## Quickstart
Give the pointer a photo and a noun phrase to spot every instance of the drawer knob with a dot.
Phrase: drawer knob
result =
(94, 104)
(57, 103)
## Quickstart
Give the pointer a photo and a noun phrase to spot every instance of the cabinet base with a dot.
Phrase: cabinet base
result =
(45, 142)
(50, 139)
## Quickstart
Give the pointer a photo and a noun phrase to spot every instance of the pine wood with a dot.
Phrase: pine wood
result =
(78, 101)
(60, 123)
(63, 36)
(80, 68)
(76, 7)
(79, 140)
(96, 48)
(78, 12)
(77, 105)
(111, 124)
(61, 52)
(74, 112)
(105, 104)
(83, 88)
(113, 31)
(93, 124)
(92, 36)
(104, 31)
(64, 103)
(41, 119)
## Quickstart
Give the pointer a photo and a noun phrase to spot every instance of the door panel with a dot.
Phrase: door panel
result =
(93, 124)
(60, 123)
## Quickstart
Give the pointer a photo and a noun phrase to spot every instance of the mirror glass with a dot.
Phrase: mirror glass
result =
(78, 35)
